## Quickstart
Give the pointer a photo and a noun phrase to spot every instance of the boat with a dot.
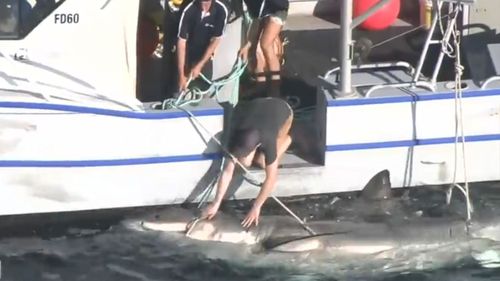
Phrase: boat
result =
(74, 136)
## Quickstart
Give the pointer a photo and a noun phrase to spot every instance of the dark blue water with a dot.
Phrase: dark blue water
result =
(124, 253)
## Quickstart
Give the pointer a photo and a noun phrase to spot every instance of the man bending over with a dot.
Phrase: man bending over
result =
(259, 135)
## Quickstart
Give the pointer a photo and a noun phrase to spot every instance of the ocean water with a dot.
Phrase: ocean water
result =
(121, 252)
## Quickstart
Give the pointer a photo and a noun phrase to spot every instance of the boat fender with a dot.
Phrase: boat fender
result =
(382, 18)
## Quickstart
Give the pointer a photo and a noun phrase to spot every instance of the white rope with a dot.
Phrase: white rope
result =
(446, 47)
(453, 51)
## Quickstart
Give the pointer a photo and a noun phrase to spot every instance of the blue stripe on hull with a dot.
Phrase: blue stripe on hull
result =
(105, 163)
(213, 156)
(411, 98)
(212, 112)
(219, 111)
(408, 143)
(110, 112)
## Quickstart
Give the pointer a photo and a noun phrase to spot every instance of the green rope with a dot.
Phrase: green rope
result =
(193, 95)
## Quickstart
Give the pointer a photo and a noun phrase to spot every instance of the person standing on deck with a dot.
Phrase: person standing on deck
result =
(260, 134)
(201, 27)
(268, 19)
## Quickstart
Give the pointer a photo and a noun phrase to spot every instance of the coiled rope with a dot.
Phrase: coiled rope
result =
(193, 95)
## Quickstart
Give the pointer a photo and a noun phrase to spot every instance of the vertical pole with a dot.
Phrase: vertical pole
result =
(428, 41)
(446, 38)
(345, 48)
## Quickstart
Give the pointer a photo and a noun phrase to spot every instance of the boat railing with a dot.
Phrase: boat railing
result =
(381, 65)
(485, 84)
(344, 72)
(419, 84)
(405, 66)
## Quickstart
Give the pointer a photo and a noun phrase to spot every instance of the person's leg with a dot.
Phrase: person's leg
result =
(248, 160)
(271, 30)
(258, 71)
(259, 160)
(260, 68)
(284, 139)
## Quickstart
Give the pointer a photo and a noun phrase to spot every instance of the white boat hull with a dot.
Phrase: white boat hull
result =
(74, 137)
(67, 161)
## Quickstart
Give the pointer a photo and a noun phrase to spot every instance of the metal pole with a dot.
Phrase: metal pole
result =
(345, 48)
(446, 39)
(428, 41)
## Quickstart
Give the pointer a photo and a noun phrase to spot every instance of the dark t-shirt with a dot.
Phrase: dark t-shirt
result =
(198, 30)
(265, 115)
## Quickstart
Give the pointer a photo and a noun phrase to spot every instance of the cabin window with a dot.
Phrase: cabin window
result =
(19, 17)
(9, 19)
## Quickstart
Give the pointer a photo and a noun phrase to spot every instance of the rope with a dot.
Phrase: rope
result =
(248, 175)
(453, 51)
(404, 33)
(194, 95)
(210, 187)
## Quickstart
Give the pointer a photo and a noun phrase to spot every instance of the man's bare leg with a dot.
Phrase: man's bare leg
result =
(284, 139)
(247, 160)
(270, 32)
(260, 160)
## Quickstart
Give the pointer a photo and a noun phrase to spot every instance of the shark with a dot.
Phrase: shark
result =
(339, 237)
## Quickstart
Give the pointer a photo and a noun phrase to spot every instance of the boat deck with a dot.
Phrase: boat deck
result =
(312, 48)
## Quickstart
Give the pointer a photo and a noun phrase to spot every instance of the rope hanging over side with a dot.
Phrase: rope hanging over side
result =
(452, 50)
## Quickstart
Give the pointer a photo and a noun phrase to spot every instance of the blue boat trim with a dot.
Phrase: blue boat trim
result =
(111, 112)
(409, 143)
(214, 156)
(220, 111)
(412, 98)
(107, 163)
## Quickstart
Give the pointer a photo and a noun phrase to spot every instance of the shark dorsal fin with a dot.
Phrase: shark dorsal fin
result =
(378, 187)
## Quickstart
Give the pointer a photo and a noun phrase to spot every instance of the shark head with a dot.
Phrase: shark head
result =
(222, 228)
(168, 220)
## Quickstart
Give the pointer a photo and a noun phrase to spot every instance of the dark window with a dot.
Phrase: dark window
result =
(19, 17)
(9, 19)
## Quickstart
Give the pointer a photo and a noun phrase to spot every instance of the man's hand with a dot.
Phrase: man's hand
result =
(182, 82)
(252, 217)
(210, 211)
(195, 72)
